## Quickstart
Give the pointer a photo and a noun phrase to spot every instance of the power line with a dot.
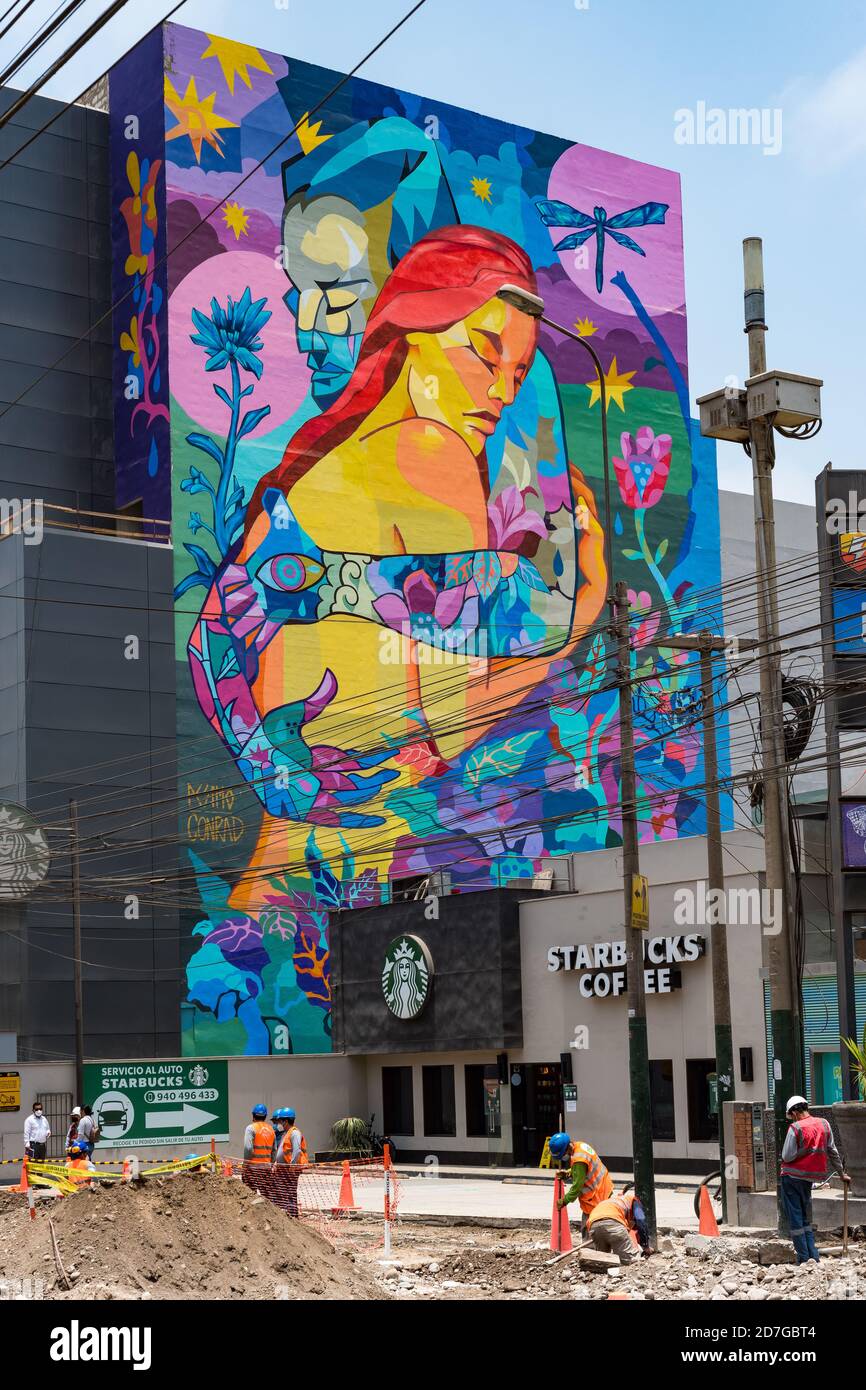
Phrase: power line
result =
(217, 205)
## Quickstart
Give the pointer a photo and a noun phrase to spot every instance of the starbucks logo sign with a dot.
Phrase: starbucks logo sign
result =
(406, 976)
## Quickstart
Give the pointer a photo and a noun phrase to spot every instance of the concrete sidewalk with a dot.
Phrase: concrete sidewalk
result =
(686, 1182)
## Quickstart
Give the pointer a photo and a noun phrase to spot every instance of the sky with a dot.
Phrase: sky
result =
(618, 74)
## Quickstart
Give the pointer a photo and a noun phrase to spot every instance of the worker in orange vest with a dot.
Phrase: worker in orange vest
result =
(78, 1165)
(610, 1225)
(590, 1181)
(259, 1140)
(291, 1158)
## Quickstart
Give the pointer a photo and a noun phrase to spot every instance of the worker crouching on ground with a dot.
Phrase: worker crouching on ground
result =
(291, 1158)
(807, 1154)
(259, 1142)
(79, 1167)
(590, 1181)
(610, 1224)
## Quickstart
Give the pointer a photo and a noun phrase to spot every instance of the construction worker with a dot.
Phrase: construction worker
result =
(807, 1153)
(279, 1120)
(590, 1180)
(259, 1139)
(78, 1164)
(611, 1222)
(291, 1158)
(72, 1131)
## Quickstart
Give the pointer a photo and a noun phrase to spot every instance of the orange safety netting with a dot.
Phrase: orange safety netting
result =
(319, 1189)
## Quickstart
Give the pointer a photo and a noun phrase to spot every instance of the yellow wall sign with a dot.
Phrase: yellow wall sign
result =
(639, 902)
(10, 1090)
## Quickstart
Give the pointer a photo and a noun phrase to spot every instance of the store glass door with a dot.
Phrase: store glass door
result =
(536, 1102)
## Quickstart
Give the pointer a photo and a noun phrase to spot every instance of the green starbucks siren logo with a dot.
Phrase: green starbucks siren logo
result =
(406, 976)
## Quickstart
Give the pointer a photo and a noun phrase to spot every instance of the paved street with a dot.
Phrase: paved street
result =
(487, 1197)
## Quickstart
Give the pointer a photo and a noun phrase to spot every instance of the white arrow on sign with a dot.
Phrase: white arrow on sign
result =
(188, 1118)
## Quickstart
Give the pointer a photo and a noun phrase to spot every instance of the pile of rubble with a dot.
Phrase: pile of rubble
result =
(685, 1268)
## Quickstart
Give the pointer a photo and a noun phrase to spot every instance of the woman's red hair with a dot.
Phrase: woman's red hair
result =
(445, 276)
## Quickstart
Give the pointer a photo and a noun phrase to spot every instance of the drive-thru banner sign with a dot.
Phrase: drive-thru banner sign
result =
(144, 1104)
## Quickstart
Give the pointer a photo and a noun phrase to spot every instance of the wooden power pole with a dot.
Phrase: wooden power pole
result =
(76, 952)
(638, 1047)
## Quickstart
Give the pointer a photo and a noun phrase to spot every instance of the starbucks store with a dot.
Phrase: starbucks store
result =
(485, 1021)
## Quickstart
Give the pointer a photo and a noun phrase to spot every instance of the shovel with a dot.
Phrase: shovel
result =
(846, 1183)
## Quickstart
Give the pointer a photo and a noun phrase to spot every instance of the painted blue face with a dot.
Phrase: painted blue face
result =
(331, 357)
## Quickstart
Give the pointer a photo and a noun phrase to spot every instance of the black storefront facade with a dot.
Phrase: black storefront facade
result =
(446, 1078)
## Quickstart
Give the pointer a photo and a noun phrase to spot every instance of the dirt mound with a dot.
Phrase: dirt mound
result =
(190, 1236)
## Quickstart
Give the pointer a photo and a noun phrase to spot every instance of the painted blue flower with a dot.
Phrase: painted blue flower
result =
(231, 334)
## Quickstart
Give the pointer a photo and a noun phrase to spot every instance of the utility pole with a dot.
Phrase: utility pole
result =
(638, 1047)
(618, 634)
(706, 643)
(784, 1006)
(76, 952)
(789, 404)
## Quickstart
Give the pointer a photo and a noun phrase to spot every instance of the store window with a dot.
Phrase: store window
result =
(398, 1107)
(662, 1101)
(701, 1095)
(440, 1112)
(482, 1102)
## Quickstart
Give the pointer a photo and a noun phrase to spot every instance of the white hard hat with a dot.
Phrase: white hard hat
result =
(77, 1112)
(794, 1103)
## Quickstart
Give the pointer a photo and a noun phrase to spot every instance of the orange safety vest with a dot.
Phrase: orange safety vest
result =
(597, 1186)
(79, 1170)
(263, 1142)
(617, 1208)
(287, 1148)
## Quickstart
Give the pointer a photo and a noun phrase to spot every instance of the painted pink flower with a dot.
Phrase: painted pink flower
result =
(642, 472)
(440, 617)
(510, 521)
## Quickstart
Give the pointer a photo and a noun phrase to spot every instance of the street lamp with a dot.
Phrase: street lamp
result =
(638, 1051)
(533, 305)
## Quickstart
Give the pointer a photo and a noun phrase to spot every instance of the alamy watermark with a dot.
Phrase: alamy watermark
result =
(737, 907)
(22, 517)
(738, 125)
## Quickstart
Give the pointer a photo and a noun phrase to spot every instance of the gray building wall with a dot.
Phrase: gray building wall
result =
(55, 283)
(79, 719)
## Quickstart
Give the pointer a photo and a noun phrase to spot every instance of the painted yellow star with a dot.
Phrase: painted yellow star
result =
(195, 117)
(235, 59)
(616, 384)
(236, 219)
(585, 327)
(482, 190)
(308, 135)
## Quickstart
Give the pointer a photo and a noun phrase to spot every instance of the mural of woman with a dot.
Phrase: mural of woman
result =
(381, 596)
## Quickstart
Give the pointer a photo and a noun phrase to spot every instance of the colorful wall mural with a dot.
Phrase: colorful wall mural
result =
(386, 501)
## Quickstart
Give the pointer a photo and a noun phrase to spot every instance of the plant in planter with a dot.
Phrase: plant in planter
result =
(350, 1138)
(851, 1118)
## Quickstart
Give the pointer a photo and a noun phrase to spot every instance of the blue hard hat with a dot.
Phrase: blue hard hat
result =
(260, 1112)
(77, 1148)
(559, 1144)
(279, 1114)
(288, 1113)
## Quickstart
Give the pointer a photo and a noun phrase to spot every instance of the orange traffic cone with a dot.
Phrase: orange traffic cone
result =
(707, 1219)
(24, 1184)
(346, 1199)
(560, 1230)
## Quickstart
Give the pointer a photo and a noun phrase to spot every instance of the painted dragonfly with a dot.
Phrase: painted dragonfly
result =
(556, 214)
